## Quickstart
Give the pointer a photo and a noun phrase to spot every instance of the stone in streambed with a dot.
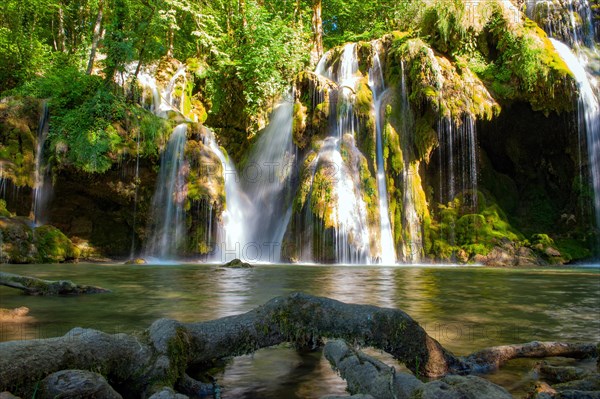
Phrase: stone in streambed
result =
(237, 264)
(76, 384)
(168, 393)
(461, 387)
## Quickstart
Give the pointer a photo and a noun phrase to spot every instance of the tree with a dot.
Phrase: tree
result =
(317, 26)
(96, 36)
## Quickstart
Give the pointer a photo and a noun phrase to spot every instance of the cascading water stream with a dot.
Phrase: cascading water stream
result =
(589, 118)
(168, 229)
(377, 84)
(268, 181)
(412, 243)
(167, 104)
(346, 79)
(42, 187)
(351, 235)
(233, 237)
(136, 182)
(579, 34)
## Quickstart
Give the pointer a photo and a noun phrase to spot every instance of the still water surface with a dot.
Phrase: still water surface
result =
(465, 308)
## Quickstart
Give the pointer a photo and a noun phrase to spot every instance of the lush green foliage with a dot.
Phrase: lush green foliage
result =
(354, 20)
(88, 120)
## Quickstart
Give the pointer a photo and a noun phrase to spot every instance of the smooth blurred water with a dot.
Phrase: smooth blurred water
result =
(465, 308)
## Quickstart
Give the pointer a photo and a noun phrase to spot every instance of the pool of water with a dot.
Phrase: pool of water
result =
(465, 308)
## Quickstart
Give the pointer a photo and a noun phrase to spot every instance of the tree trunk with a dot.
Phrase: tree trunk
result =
(95, 37)
(317, 27)
(61, 29)
(298, 15)
(147, 363)
(36, 286)
(242, 11)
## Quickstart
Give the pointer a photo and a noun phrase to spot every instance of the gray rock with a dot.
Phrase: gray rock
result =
(367, 375)
(76, 384)
(358, 396)
(459, 387)
(168, 393)
(8, 395)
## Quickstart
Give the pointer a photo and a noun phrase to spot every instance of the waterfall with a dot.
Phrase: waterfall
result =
(267, 179)
(377, 84)
(168, 229)
(163, 101)
(347, 79)
(458, 160)
(350, 236)
(148, 81)
(168, 101)
(577, 30)
(412, 241)
(136, 182)
(233, 237)
(589, 120)
(42, 183)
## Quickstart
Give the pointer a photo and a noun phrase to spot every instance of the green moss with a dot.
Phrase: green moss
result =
(299, 125)
(3, 211)
(177, 352)
(20, 243)
(367, 134)
(53, 246)
(455, 229)
(392, 151)
(572, 250)
(527, 67)
(322, 201)
(425, 136)
(18, 125)
(306, 174)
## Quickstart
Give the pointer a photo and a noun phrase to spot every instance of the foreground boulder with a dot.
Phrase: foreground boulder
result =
(367, 375)
(75, 384)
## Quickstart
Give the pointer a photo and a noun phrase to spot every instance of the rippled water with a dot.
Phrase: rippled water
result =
(465, 308)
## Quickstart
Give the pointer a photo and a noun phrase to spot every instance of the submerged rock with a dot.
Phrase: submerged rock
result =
(14, 315)
(237, 264)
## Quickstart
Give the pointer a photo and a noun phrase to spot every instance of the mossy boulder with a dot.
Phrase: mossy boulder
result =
(237, 264)
(53, 246)
(22, 243)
